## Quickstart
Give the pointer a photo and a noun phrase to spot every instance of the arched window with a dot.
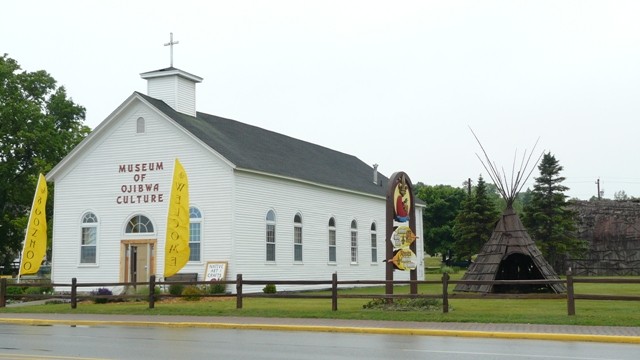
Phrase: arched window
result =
(297, 237)
(195, 234)
(354, 242)
(140, 128)
(139, 224)
(271, 236)
(374, 243)
(332, 240)
(89, 241)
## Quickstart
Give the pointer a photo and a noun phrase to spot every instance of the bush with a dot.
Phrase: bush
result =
(216, 288)
(176, 289)
(144, 290)
(101, 292)
(56, 301)
(38, 290)
(136, 293)
(405, 304)
(46, 288)
(15, 290)
(34, 290)
(449, 270)
(192, 293)
(269, 289)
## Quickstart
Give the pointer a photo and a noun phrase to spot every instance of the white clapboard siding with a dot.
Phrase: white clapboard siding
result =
(176, 91)
(93, 183)
(257, 194)
(233, 203)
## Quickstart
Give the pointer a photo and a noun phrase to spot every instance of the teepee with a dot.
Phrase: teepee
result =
(510, 253)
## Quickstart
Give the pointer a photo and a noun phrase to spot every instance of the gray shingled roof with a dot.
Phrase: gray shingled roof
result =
(253, 148)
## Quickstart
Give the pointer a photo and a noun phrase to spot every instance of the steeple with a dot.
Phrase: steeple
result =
(175, 87)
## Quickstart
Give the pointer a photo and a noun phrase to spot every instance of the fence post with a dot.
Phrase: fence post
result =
(445, 293)
(571, 301)
(74, 293)
(3, 292)
(239, 291)
(334, 291)
(152, 291)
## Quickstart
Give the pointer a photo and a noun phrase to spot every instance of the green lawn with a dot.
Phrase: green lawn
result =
(539, 311)
(432, 261)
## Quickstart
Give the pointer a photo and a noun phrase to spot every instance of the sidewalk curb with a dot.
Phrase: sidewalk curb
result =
(335, 329)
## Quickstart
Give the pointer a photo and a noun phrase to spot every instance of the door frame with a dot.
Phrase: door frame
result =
(152, 247)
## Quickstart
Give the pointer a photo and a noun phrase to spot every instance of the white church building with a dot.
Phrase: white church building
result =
(262, 204)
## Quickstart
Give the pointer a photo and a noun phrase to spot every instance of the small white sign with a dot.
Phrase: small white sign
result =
(215, 271)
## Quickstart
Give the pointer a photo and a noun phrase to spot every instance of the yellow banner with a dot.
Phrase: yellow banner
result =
(35, 241)
(176, 249)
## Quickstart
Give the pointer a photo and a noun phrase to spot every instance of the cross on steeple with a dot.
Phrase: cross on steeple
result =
(170, 44)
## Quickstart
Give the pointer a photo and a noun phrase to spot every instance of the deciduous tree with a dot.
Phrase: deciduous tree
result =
(39, 124)
(442, 206)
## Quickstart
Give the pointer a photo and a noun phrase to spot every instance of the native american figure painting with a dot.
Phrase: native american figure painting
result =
(402, 202)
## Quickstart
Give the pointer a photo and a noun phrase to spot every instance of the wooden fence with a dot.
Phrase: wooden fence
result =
(73, 296)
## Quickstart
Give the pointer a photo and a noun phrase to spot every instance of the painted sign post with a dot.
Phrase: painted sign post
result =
(401, 230)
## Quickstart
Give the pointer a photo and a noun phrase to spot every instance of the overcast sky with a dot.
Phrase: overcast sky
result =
(397, 83)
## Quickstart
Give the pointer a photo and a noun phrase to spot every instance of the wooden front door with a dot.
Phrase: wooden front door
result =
(137, 260)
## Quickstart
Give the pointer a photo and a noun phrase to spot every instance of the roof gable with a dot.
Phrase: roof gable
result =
(67, 162)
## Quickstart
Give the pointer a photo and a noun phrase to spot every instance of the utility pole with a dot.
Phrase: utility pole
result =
(468, 184)
(598, 183)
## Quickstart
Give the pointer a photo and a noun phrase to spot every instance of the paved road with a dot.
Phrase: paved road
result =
(611, 334)
(129, 342)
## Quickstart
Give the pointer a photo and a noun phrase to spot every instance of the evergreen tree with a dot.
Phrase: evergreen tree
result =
(475, 222)
(547, 218)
